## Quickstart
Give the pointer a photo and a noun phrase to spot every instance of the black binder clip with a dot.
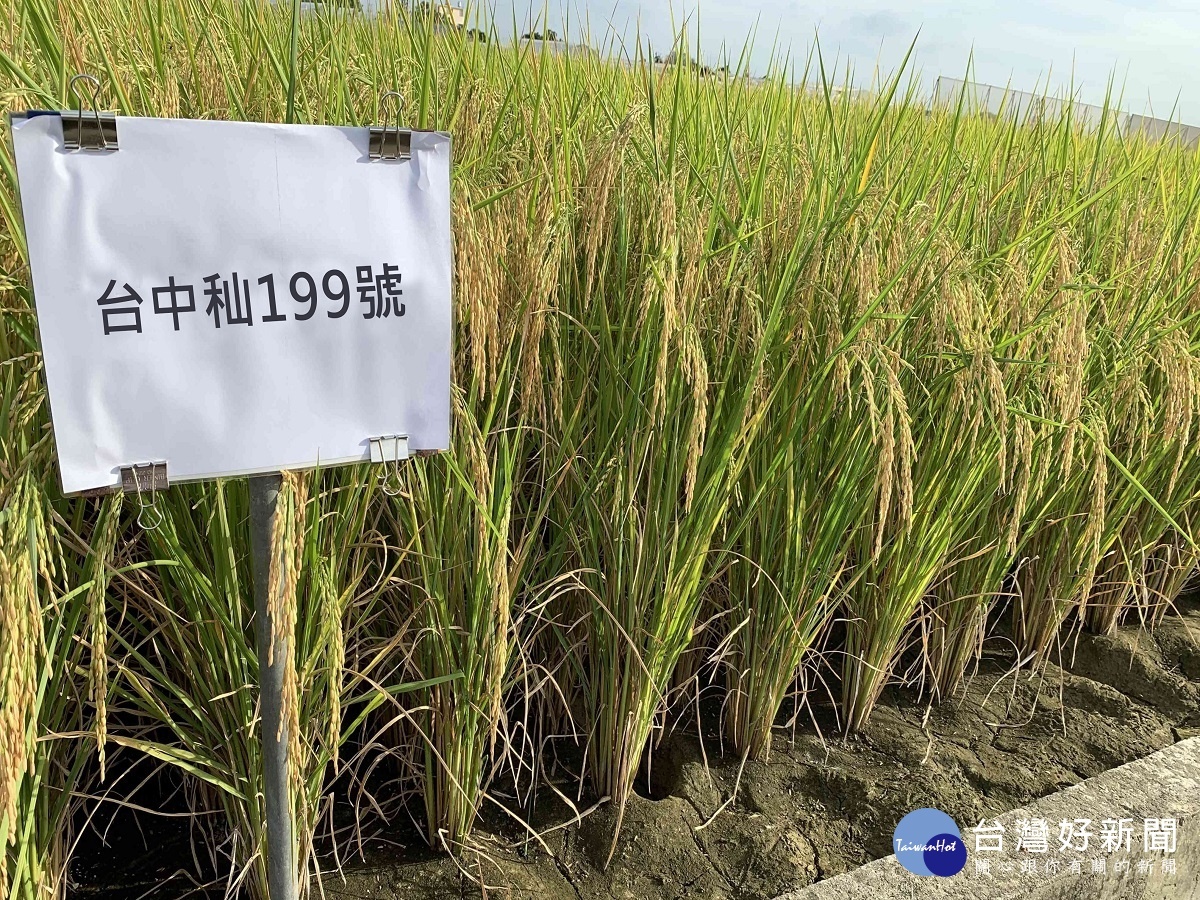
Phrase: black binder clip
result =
(88, 129)
(390, 450)
(389, 140)
(144, 479)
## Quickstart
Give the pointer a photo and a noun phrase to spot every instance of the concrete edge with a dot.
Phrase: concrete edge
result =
(1165, 784)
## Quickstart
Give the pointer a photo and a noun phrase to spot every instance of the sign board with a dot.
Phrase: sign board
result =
(233, 298)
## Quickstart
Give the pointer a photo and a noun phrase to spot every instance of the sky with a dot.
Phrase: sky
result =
(1150, 47)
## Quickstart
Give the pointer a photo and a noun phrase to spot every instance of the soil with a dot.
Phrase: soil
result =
(822, 806)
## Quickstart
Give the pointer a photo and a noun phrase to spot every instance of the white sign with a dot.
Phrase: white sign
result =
(232, 298)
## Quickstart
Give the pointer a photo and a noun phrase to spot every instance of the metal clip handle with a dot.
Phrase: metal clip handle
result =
(93, 131)
(391, 449)
(143, 479)
(389, 140)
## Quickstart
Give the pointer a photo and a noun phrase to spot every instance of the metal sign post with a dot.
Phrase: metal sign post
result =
(272, 653)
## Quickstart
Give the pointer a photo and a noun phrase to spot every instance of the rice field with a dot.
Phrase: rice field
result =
(759, 384)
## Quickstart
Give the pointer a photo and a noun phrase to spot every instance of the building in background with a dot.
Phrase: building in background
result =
(1027, 107)
(450, 14)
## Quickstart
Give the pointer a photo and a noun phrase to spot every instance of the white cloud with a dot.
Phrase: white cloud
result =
(1150, 45)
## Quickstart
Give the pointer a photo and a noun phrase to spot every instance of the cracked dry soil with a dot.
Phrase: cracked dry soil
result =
(821, 807)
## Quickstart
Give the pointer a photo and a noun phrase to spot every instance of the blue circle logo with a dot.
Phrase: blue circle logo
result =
(928, 842)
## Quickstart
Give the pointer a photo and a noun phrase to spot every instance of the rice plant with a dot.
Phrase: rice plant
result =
(806, 367)
(453, 517)
(657, 460)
